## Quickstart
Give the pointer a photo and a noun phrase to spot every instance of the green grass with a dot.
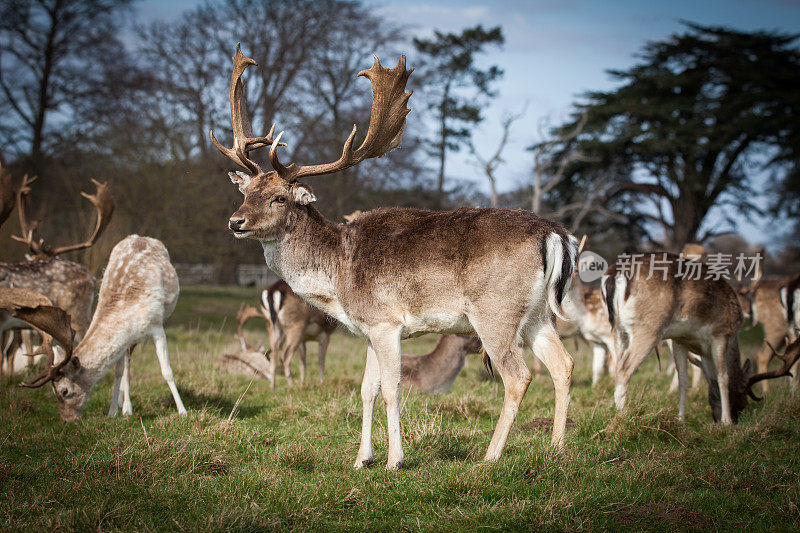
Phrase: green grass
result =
(283, 459)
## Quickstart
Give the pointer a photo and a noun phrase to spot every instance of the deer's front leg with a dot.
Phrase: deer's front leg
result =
(370, 387)
(118, 369)
(679, 353)
(125, 386)
(386, 344)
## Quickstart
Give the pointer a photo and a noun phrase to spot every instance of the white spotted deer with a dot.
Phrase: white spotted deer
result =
(395, 273)
(291, 322)
(138, 293)
(653, 301)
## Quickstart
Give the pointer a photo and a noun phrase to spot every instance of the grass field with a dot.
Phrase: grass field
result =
(248, 459)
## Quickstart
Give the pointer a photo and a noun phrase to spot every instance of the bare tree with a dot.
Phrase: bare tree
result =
(47, 51)
(490, 164)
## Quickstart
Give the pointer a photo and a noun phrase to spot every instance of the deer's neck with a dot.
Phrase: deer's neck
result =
(309, 257)
(102, 346)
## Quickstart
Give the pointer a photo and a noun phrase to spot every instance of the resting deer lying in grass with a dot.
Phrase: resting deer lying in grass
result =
(700, 315)
(292, 322)
(435, 372)
(401, 272)
(249, 360)
(67, 284)
(138, 293)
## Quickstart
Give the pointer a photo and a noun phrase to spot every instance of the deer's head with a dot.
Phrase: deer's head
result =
(741, 386)
(271, 197)
(53, 324)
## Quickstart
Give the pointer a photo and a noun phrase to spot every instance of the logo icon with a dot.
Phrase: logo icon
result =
(591, 266)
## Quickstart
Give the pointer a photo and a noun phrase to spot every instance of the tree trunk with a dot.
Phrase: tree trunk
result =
(442, 146)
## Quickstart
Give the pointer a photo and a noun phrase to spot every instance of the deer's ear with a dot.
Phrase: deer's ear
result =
(302, 194)
(241, 179)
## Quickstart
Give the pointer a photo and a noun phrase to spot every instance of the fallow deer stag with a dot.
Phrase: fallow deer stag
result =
(435, 372)
(292, 323)
(395, 273)
(138, 293)
(67, 284)
(652, 302)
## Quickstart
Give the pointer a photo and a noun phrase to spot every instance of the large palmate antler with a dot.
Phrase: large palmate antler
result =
(243, 140)
(103, 202)
(386, 124)
(7, 194)
(790, 356)
(51, 322)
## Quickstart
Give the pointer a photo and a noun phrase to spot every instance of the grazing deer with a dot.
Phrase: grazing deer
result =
(67, 284)
(653, 302)
(138, 293)
(435, 372)
(395, 273)
(249, 360)
(764, 305)
(291, 321)
(585, 308)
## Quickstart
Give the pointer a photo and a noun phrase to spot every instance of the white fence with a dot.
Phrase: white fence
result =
(246, 275)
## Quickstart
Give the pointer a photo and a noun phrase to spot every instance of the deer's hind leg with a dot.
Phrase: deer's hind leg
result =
(160, 339)
(634, 350)
(503, 344)
(547, 346)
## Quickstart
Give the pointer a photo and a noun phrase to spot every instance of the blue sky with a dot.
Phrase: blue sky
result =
(555, 51)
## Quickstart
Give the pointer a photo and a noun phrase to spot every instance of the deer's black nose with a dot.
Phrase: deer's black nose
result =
(235, 223)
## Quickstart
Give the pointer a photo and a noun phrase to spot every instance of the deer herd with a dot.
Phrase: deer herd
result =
(493, 281)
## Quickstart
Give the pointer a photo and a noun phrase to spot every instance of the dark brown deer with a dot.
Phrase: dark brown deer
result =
(291, 322)
(435, 372)
(653, 302)
(395, 273)
(67, 284)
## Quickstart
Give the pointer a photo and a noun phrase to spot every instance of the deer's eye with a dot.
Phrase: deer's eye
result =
(280, 199)
(64, 392)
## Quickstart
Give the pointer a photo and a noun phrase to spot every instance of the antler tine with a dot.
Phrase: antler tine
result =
(7, 194)
(243, 140)
(789, 357)
(582, 244)
(26, 227)
(245, 313)
(50, 321)
(386, 124)
(104, 204)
